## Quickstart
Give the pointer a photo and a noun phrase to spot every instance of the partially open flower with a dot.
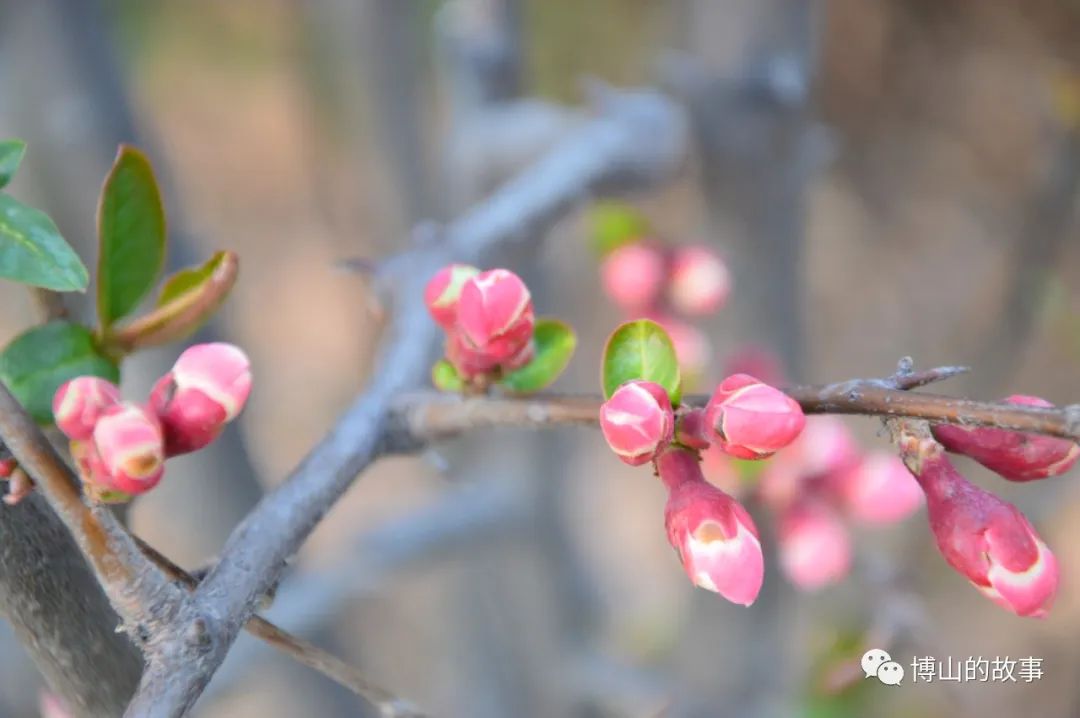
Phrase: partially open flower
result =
(495, 315)
(637, 421)
(699, 281)
(206, 388)
(714, 535)
(815, 546)
(752, 420)
(1012, 454)
(984, 538)
(131, 448)
(443, 291)
(633, 276)
(79, 402)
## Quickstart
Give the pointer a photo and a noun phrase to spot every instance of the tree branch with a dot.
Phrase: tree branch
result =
(637, 139)
(138, 591)
(422, 418)
(305, 652)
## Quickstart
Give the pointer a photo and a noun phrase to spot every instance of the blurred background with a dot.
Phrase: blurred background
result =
(883, 177)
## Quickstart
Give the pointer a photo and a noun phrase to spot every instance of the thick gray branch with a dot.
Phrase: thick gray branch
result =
(52, 599)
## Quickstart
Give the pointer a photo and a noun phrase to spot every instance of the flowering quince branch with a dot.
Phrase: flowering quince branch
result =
(636, 139)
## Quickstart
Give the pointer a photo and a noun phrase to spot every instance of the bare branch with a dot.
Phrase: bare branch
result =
(138, 591)
(305, 652)
(636, 139)
(425, 417)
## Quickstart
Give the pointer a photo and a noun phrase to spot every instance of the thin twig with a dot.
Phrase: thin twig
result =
(305, 652)
(425, 417)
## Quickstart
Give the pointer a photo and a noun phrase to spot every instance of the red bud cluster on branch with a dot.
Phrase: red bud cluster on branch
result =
(120, 447)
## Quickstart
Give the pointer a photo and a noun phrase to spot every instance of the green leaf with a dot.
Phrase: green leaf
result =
(37, 362)
(446, 378)
(192, 278)
(131, 234)
(188, 299)
(11, 154)
(641, 349)
(613, 224)
(555, 344)
(33, 252)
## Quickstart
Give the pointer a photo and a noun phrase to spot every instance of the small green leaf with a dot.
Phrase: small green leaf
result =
(33, 252)
(641, 349)
(11, 154)
(188, 300)
(37, 362)
(191, 278)
(555, 344)
(614, 224)
(131, 234)
(446, 378)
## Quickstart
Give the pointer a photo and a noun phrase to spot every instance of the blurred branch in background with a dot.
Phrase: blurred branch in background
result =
(1047, 224)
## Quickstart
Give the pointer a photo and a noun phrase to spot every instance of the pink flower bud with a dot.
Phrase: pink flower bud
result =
(815, 547)
(207, 387)
(79, 402)
(1014, 455)
(879, 489)
(752, 420)
(495, 314)
(443, 291)
(637, 421)
(825, 447)
(522, 358)
(714, 535)
(699, 281)
(469, 362)
(7, 466)
(984, 538)
(91, 469)
(129, 441)
(633, 276)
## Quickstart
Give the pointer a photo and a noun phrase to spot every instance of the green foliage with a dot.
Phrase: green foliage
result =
(33, 252)
(555, 344)
(11, 154)
(191, 278)
(446, 378)
(641, 349)
(37, 362)
(131, 233)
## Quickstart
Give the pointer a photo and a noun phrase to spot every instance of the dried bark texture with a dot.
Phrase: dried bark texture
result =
(60, 614)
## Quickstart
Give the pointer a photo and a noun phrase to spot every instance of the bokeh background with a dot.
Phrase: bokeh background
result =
(885, 177)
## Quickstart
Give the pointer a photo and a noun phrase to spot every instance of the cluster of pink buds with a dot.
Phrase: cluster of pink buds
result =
(669, 285)
(712, 533)
(488, 318)
(120, 447)
(985, 539)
